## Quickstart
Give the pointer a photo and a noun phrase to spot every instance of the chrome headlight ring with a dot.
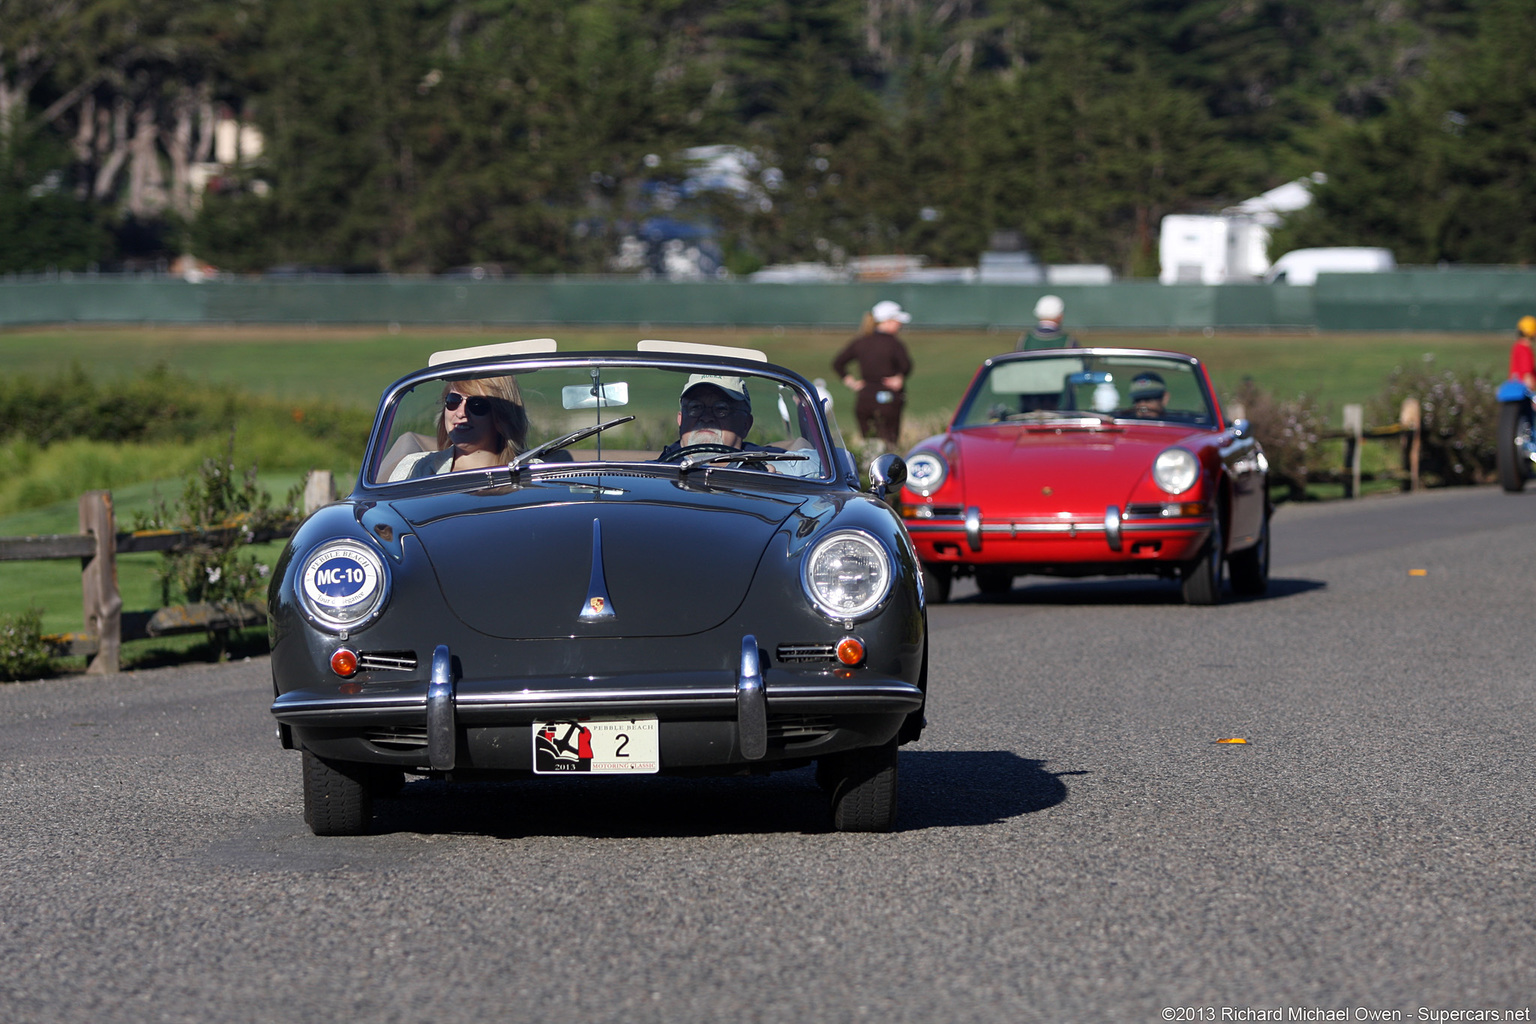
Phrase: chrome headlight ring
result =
(1175, 470)
(342, 585)
(926, 472)
(847, 575)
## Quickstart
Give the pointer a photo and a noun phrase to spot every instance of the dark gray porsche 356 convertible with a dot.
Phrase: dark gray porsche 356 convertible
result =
(611, 563)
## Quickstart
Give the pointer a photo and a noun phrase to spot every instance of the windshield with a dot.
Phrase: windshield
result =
(1103, 387)
(721, 416)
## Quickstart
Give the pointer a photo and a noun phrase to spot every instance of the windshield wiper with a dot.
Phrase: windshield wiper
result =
(560, 442)
(1057, 415)
(701, 460)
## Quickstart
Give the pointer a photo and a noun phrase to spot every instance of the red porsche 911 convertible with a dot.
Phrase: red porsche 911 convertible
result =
(1088, 462)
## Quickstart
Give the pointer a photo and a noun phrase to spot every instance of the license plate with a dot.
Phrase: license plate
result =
(599, 746)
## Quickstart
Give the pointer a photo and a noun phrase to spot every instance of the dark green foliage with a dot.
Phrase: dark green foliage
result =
(157, 406)
(1443, 174)
(420, 135)
(42, 225)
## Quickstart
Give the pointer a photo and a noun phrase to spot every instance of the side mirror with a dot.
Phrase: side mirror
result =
(1241, 428)
(886, 473)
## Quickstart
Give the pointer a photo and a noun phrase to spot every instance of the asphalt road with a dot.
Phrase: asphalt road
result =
(1074, 843)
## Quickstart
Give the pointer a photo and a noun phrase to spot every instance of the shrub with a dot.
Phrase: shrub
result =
(1459, 425)
(217, 568)
(1291, 432)
(23, 652)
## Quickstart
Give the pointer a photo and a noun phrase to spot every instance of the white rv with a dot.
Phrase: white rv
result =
(1221, 249)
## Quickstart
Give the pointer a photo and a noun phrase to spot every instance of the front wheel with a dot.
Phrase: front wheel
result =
(1202, 577)
(993, 583)
(1250, 568)
(862, 784)
(1514, 436)
(338, 797)
(936, 582)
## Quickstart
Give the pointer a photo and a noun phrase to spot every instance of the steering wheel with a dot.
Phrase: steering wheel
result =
(701, 449)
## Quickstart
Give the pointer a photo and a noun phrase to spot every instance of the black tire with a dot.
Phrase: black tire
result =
(338, 800)
(1249, 568)
(1514, 430)
(1202, 577)
(993, 583)
(862, 784)
(936, 582)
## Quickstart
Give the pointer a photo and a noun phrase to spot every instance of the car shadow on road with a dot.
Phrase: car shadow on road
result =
(1115, 591)
(960, 788)
(938, 789)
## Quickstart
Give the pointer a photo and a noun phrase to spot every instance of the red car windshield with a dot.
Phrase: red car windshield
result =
(1054, 387)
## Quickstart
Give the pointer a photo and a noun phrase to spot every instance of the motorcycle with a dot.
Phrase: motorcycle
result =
(1516, 448)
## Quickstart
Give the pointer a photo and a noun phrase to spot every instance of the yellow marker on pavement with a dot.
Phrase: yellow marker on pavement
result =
(1234, 739)
(1418, 572)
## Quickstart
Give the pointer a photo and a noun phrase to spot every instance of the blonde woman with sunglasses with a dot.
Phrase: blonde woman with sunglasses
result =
(482, 424)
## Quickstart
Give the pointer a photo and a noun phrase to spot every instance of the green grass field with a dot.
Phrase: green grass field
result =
(352, 366)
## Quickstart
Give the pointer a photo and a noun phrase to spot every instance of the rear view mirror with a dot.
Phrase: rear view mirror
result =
(886, 473)
(590, 396)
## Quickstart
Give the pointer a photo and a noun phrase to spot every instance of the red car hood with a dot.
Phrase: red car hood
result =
(1048, 470)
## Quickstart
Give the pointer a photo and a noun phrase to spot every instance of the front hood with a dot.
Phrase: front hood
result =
(673, 560)
(1044, 471)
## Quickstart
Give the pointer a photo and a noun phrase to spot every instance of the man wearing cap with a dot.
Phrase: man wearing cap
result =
(1149, 396)
(717, 410)
(1047, 332)
(884, 365)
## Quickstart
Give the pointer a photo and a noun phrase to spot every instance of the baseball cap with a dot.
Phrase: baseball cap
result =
(1147, 385)
(1050, 307)
(888, 310)
(733, 386)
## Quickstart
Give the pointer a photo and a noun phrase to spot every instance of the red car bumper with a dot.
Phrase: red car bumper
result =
(1150, 539)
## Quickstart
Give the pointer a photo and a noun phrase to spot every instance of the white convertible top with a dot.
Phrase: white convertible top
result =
(533, 346)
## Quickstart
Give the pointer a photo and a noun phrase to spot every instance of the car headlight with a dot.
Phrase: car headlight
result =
(926, 472)
(342, 585)
(1175, 470)
(847, 575)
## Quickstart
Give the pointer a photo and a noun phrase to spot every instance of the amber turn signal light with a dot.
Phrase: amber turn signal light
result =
(850, 650)
(344, 663)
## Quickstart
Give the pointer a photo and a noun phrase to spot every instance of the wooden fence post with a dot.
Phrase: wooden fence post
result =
(319, 491)
(103, 605)
(1354, 427)
(1411, 418)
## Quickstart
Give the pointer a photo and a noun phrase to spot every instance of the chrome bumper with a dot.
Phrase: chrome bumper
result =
(747, 698)
(1112, 526)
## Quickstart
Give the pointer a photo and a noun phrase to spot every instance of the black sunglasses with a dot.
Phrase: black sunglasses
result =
(478, 405)
(693, 409)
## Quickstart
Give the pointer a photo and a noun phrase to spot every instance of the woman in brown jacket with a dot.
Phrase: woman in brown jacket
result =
(884, 365)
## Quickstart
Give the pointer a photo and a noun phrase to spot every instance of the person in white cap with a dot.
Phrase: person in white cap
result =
(716, 411)
(1047, 332)
(884, 365)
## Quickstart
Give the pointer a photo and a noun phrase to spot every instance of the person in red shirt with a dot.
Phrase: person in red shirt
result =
(1522, 358)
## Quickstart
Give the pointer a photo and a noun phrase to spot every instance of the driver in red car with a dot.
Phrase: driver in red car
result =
(1149, 396)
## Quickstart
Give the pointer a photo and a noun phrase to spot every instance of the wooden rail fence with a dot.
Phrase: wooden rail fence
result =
(98, 544)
